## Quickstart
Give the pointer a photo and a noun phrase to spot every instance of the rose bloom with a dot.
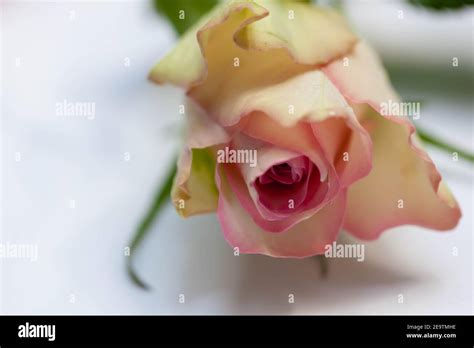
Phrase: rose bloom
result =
(292, 82)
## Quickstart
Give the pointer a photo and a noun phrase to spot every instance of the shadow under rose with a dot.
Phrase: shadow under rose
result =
(279, 286)
(191, 257)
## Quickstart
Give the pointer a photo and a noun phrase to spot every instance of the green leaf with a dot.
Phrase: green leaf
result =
(182, 14)
(161, 197)
(442, 4)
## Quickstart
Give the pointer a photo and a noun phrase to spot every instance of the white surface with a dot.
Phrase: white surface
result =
(81, 249)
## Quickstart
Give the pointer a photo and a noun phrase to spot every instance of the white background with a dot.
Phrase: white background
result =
(81, 262)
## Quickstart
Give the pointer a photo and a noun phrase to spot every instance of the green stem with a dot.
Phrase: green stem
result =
(440, 144)
(323, 265)
(161, 197)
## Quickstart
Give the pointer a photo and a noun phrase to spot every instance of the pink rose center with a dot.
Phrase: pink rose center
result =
(287, 186)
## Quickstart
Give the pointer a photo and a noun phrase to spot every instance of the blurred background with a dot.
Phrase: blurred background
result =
(77, 186)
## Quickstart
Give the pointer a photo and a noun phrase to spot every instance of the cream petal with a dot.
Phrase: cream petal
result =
(194, 189)
(241, 43)
(402, 174)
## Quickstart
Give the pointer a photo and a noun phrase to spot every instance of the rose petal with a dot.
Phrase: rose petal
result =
(346, 145)
(186, 64)
(264, 39)
(313, 99)
(298, 138)
(242, 180)
(402, 170)
(285, 199)
(194, 183)
(307, 238)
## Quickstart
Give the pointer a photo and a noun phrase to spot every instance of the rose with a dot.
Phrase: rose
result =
(291, 82)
